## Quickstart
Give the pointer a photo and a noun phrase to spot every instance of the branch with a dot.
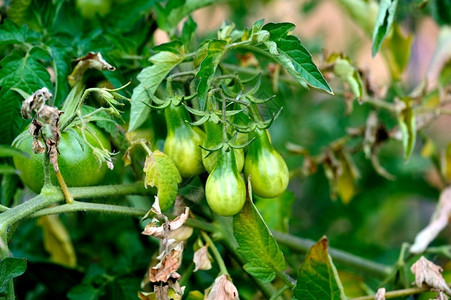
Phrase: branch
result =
(303, 245)
(398, 293)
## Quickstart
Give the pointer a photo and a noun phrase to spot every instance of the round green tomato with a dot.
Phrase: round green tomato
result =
(182, 145)
(77, 164)
(225, 190)
(89, 8)
(266, 167)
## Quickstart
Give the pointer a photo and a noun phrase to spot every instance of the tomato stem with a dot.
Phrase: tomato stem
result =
(67, 195)
(216, 254)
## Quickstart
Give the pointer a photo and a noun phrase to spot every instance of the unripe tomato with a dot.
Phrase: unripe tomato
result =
(182, 142)
(213, 138)
(225, 190)
(89, 8)
(266, 167)
(77, 164)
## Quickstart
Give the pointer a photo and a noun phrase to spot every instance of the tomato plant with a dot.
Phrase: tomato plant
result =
(294, 150)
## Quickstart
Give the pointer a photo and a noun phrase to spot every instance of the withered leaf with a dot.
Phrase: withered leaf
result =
(223, 289)
(201, 259)
(427, 272)
(380, 295)
(168, 266)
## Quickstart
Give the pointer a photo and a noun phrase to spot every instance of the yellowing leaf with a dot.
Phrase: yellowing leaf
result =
(406, 121)
(161, 172)
(346, 187)
(57, 241)
(398, 52)
(317, 277)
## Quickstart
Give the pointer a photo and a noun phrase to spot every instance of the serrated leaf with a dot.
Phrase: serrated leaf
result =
(150, 78)
(57, 241)
(276, 211)
(384, 21)
(162, 173)
(257, 244)
(23, 72)
(294, 57)
(406, 120)
(10, 268)
(317, 276)
(398, 53)
(215, 50)
(11, 33)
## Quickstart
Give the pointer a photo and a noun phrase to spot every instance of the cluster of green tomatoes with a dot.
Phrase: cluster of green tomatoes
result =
(225, 188)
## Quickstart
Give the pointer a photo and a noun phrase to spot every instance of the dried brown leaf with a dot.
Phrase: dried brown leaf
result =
(181, 234)
(168, 266)
(201, 259)
(438, 221)
(161, 292)
(427, 272)
(153, 230)
(179, 220)
(223, 289)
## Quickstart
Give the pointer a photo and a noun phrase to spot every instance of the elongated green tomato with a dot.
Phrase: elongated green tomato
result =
(182, 142)
(266, 167)
(213, 138)
(225, 190)
(77, 163)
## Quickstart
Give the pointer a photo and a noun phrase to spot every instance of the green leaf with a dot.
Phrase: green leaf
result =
(8, 151)
(11, 33)
(276, 211)
(215, 51)
(150, 78)
(294, 57)
(7, 169)
(399, 52)
(9, 186)
(162, 173)
(10, 268)
(23, 72)
(257, 244)
(188, 31)
(406, 119)
(84, 291)
(317, 276)
(385, 17)
(169, 16)
(61, 65)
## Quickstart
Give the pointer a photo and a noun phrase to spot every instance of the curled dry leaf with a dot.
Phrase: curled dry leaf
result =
(427, 272)
(154, 230)
(201, 259)
(223, 289)
(438, 221)
(380, 295)
(181, 234)
(161, 292)
(167, 268)
(35, 102)
(89, 61)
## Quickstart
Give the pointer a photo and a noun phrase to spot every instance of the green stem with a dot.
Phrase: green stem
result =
(396, 294)
(303, 245)
(90, 207)
(286, 279)
(216, 254)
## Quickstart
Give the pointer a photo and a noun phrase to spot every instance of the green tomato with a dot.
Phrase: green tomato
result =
(225, 189)
(89, 8)
(182, 142)
(266, 167)
(77, 164)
